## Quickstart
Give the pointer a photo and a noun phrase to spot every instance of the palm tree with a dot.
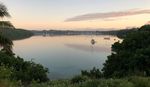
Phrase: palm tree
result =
(4, 11)
(5, 43)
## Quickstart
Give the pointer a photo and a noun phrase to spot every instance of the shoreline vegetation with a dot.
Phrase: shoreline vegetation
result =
(127, 66)
(15, 34)
(119, 33)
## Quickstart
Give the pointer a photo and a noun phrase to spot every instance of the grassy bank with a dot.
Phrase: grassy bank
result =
(125, 82)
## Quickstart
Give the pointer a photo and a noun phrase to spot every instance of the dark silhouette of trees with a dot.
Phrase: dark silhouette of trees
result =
(131, 56)
(6, 44)
(94, 73)
(26, 71)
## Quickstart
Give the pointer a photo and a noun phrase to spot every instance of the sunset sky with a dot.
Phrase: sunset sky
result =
(78, 14)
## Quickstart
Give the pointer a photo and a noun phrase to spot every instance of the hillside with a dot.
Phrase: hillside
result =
(16, 34)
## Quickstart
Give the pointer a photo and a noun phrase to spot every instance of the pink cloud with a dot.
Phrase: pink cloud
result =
(108, 15)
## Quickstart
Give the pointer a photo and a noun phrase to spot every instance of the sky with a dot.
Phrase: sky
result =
(78, 14)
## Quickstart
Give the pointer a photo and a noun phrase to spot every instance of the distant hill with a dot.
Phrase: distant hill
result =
(120, 33)
(15, 34)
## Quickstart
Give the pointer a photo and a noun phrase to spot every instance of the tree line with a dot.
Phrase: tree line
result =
(131, 57)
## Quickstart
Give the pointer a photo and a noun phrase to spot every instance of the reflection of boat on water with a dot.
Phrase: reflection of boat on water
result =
(93, 41)
(107, 38)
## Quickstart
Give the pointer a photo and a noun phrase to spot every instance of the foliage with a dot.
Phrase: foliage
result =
(94, 73)
(140, 82)
(8, 83)
(126, 82)
(26, 71)
(15, 34)
(78, 79)
(123, 33)
(130, 57)
(6, 24)
(5, 72)
(6, 45)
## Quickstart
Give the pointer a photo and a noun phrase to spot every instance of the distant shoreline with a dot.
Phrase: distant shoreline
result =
(119, 33)
(72, 32)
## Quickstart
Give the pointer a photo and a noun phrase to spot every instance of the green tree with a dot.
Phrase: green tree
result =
(131, 56)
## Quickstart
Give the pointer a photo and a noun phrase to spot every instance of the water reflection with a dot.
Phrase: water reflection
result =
(88, 48)
(65, 56)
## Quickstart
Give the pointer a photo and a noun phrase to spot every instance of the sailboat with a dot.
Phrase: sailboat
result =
(107, 38)
(93, 41)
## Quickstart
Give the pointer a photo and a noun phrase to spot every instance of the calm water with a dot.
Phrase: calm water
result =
(65, 56)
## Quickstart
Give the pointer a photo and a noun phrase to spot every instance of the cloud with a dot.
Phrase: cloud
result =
(108, 15)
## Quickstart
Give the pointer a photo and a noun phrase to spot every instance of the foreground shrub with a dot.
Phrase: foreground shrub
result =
(5, 72)
(140, 81)
(10, 83)
(26, 71)
(94, 73)
(78, 79)
(124, 82)
(131, 56)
